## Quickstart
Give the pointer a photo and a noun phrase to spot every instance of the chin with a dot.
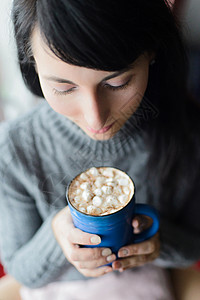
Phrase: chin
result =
(100, 137)
(103, 136)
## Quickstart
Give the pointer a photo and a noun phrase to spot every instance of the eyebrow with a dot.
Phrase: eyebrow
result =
(62, 80)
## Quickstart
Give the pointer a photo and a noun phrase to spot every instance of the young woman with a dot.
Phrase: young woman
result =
(114, 78)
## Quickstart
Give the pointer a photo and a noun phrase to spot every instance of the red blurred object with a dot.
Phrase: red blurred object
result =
(2, 273)
(197, 266)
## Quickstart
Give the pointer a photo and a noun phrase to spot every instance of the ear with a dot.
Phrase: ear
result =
(152, 56)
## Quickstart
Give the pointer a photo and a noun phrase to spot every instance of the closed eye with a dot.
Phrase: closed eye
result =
(119, 87)
(107, 86)
(57, 92)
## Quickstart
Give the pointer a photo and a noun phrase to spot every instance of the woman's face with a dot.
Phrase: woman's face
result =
(99, 102)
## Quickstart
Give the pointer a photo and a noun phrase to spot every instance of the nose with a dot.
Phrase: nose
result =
(95, 111)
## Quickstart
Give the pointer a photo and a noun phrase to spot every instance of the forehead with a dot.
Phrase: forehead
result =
(48, 63)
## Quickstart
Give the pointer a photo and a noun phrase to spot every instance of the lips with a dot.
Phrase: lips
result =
(103, 130)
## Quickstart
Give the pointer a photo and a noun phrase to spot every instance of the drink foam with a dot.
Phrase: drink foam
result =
(100, 191)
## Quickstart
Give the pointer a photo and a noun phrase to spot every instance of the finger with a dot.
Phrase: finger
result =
(146, 247)
(74, 235)
(92, 264)
(77, 236)
(96, 272)
(65, 215)
(152, 256)
(129, 262)
(63, 220)
(141, 222)
(136, 224)
(137, 260)
(85, 254)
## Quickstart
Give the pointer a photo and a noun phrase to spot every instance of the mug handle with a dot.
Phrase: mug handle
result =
(144, 209)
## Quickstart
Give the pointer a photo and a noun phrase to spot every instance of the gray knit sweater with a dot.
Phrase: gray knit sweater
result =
(39, 154)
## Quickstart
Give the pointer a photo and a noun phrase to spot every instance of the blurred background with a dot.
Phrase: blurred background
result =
(15, 99)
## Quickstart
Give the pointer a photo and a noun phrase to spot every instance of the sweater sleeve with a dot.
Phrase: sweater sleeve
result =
(29, 250)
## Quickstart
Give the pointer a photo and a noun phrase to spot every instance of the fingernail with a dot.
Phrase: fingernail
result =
(123, 252)
(95, 239)
(106, 252)
(118, 265)
(111, 258)
(121, 270)
(135, 223)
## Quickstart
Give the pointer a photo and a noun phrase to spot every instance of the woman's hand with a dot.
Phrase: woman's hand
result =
(86, 260)
(138, 254)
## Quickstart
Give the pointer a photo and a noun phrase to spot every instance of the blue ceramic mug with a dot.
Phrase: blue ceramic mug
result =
(116, 229)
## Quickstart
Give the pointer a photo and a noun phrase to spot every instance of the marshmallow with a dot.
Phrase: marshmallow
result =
(111, 200)
(76, 183)
(111, 183)
(83, 176)
(97, 201)
(91, 209)
(122, 199)
(123, 181)
(98, 192)
(107, 189)
(109, 179)
(87, 195)
(82, 209)
(78, 191)
(77, 199)
(126, 190)
(93, 171)
(108, 172)
(85, 186)
(99, 181)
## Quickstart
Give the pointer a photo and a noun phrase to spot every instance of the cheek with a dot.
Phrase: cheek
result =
(143, 81)
(132, 97)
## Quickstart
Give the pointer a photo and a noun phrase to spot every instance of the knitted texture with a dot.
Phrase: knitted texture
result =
(40, 153)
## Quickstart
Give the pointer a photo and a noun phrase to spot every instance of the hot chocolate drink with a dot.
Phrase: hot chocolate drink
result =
(100, 191)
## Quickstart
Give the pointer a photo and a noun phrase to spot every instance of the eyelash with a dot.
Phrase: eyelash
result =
(56, 92)
(120, 87)
(107, 86)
